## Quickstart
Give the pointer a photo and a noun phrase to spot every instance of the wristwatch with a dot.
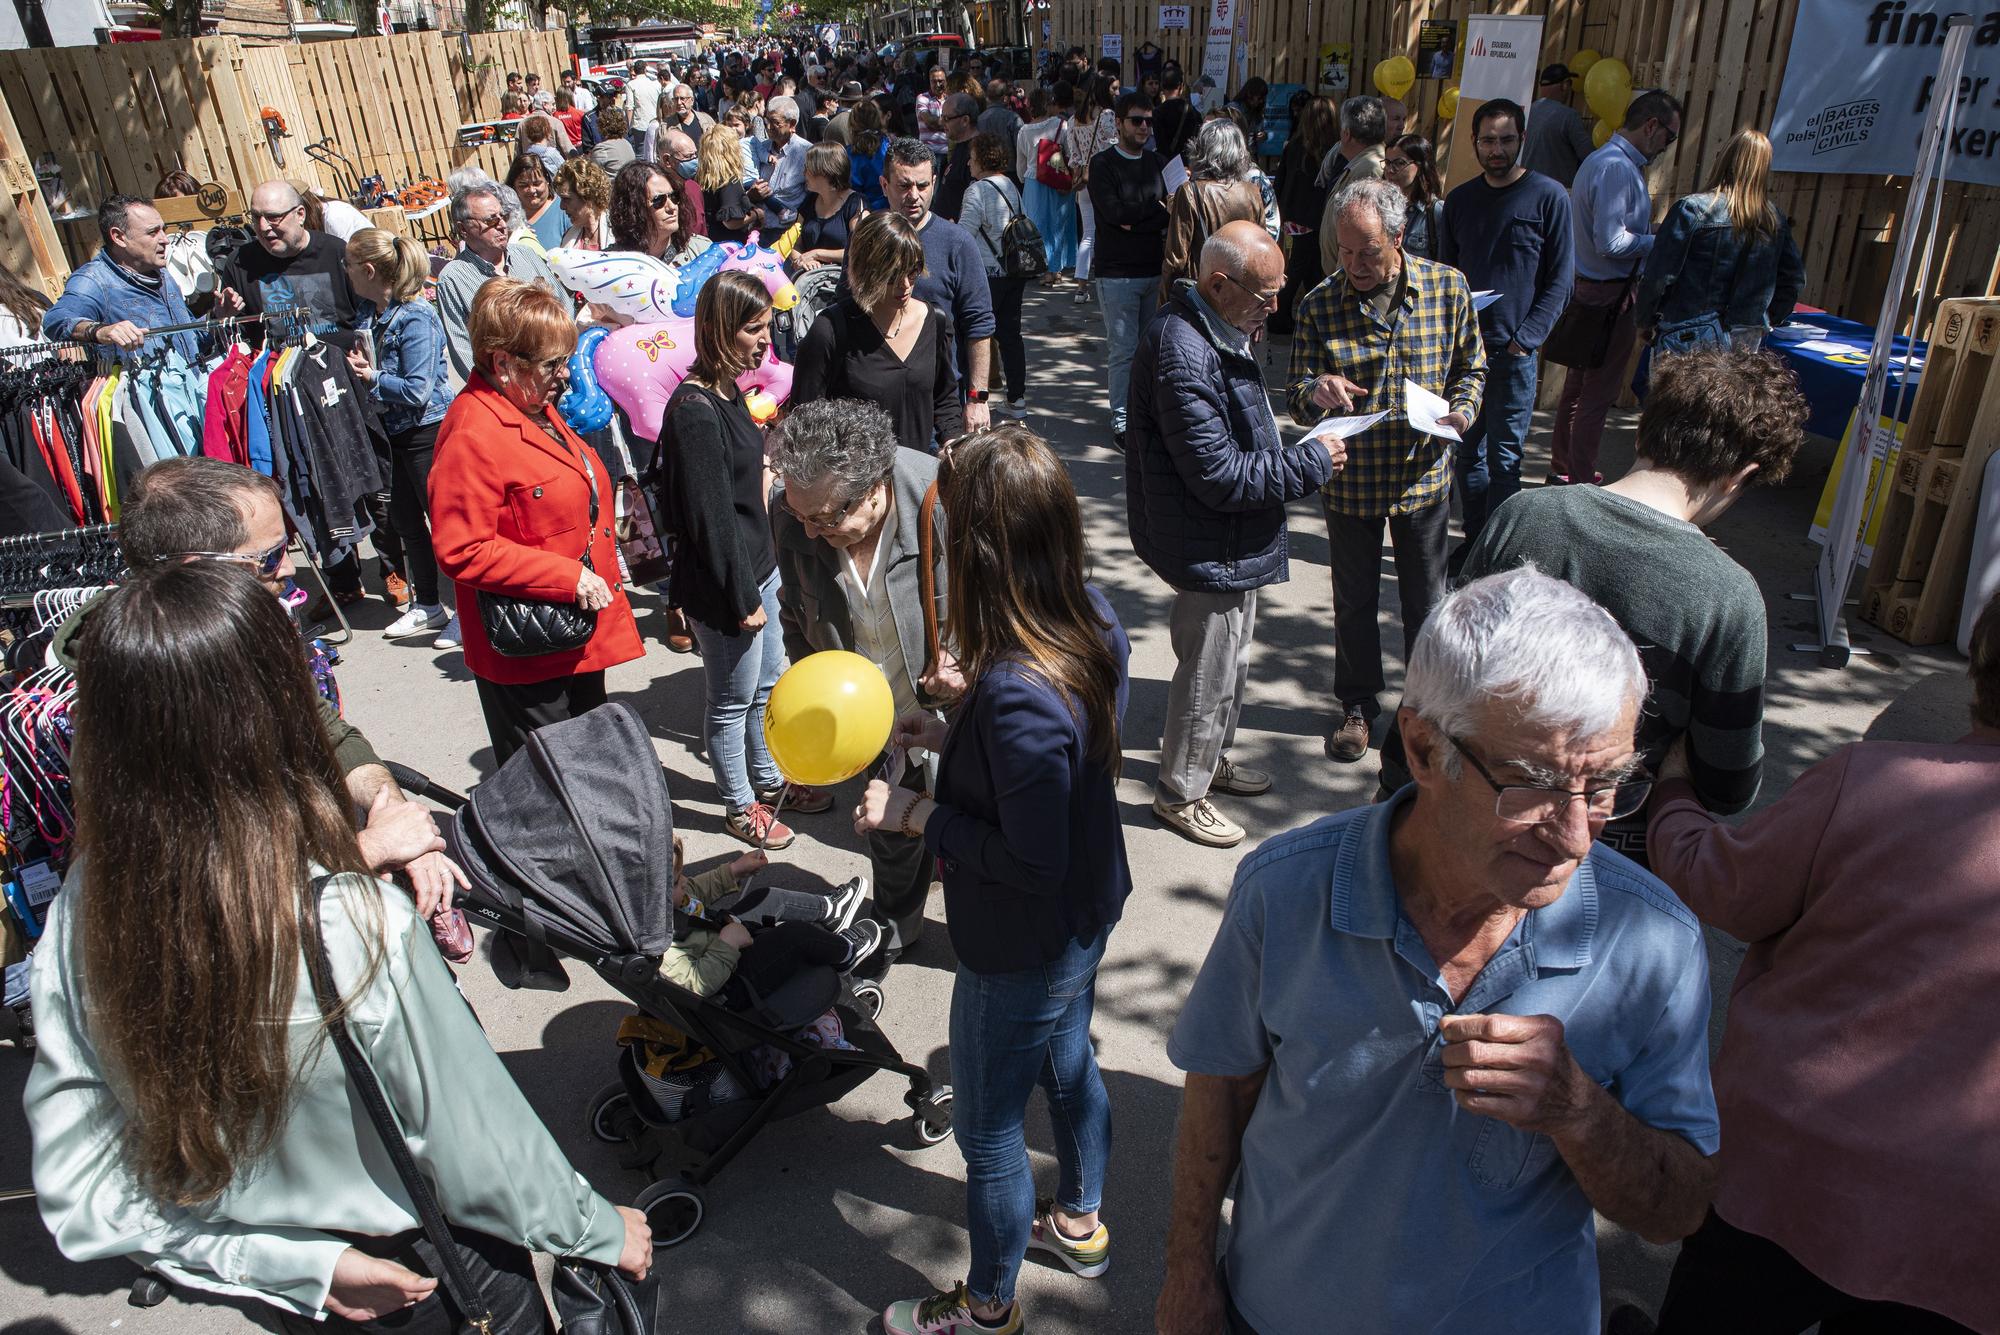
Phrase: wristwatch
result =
(977, 395)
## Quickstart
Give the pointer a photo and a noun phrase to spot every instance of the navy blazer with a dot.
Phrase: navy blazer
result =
(1026, 825)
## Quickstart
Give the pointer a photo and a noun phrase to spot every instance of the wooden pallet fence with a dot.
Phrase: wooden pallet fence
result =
(1915, 584)
(29, 245)
(479, 84)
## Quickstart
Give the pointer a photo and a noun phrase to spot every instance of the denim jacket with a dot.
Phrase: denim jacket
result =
(101, 291)
(1700, 266)
(412, 383)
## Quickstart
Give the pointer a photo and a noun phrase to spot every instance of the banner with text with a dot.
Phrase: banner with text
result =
(1215, 57)
(1501, 55)
(1859, 80)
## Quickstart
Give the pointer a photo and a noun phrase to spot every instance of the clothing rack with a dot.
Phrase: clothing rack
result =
(296, 315)
(33, 563)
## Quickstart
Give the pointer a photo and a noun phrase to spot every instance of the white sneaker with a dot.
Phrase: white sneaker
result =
(1017, 408)
(448, 638)
(415, 621)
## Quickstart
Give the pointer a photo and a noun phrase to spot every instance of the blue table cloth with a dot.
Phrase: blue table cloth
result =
(1831, 381)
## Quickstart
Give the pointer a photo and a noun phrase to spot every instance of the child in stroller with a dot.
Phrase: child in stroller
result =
(715, 954)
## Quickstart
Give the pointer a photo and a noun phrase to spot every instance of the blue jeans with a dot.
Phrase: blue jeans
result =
(1009, 1033)
(1489, 458)
(740, 670)
(1128, 304)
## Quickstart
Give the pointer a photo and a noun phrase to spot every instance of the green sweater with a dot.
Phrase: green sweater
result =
(701, 961)
(1697, 617)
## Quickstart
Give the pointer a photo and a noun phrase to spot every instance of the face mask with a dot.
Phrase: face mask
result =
(688, 169)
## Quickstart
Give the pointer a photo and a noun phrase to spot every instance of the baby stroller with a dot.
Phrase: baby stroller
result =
(570, 851)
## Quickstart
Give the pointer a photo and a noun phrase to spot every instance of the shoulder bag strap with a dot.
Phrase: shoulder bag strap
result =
(927, 573)
(362, 1079)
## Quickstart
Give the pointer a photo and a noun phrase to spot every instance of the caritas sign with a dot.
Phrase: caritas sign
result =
(1859, 81)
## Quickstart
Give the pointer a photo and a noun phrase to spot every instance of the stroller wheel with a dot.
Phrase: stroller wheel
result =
(673, 1208)
(612, 1118)
(933, 1119)
(870, 997)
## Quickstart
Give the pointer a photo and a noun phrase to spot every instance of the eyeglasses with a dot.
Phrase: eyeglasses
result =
(1671, 135)
(1394, 164)
(831, 518)
(1492, 141)
(266, 562)
(1138, 120)
(282, 214)
(661, 201)
(1263, 298)
(547, 366)
(1530, 804)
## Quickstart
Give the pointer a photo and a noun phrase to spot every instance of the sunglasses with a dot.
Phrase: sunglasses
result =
(547, 366)
(1139, 120)
(661, 201)
(488, 224)
(266, 563)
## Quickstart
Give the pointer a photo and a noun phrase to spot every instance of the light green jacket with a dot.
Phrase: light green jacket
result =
(491, 1162)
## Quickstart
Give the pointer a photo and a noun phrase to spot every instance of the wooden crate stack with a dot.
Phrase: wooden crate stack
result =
(1916, 581)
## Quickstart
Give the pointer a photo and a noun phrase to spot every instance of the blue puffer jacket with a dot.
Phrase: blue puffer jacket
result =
(1207, 476)
(1699, 265)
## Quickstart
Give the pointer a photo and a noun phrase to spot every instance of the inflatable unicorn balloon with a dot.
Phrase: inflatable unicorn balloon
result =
(639, 366)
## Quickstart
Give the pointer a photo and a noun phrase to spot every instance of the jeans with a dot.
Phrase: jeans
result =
(1730, 1279)
(1007, 331)
(1355, 546)
(1086, 245)
(740, 670)
(1009, 1033)
(1587, 396)
(1211, 635)
(410, 459)
(1489, 458)
(1128, 304)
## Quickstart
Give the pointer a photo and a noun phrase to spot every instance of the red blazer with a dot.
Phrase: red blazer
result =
(509, 514)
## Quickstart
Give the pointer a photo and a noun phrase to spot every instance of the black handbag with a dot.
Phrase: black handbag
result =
(590, 1299)
(1582, 336)
(528, 627)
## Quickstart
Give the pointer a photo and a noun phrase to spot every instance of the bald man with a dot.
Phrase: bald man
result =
(291, 265)
(1207, 479)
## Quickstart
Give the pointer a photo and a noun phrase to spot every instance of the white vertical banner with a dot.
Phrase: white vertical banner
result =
(1501, 55)
(1242, 43)
(1215, 56)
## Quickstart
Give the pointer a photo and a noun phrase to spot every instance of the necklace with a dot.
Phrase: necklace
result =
(896, 326)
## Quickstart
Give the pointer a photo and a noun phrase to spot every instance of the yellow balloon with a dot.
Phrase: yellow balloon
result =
(1394, 76)
(1580, 63)
(1608, 89)
(828, 717)
(1601, 134)
(1447, 104)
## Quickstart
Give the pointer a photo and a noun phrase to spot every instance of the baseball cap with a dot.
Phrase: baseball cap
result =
(1556, 73)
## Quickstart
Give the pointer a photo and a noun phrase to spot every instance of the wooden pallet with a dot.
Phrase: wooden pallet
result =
(1916, 582)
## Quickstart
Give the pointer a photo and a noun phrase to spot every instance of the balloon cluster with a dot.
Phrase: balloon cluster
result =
(1607, 89)
(1394, 76)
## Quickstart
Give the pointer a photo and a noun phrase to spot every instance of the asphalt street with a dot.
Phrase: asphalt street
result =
(834, 1213)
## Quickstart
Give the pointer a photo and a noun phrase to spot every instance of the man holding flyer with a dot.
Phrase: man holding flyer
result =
(1392, 334)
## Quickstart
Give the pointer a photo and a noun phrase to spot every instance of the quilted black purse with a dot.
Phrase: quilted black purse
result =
(526, 627)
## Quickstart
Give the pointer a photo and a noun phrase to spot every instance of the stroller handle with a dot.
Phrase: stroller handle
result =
(418, 784)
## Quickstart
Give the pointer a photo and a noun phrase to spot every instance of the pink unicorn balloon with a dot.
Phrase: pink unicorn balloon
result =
(640, 365)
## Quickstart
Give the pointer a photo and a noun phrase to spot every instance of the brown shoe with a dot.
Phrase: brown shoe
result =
(680, 636)
(1349, 742)
(759, 827)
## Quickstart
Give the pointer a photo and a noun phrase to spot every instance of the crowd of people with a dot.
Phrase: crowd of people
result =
(1432, 1034)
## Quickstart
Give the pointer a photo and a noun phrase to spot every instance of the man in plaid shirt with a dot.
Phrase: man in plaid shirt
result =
(1382, 318)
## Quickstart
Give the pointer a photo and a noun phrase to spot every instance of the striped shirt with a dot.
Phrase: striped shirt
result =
(1430, 336)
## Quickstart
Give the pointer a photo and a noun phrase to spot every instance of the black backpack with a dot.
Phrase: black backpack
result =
(1023, 253)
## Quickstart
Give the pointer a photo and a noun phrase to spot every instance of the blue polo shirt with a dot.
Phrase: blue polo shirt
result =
(1368, 1200)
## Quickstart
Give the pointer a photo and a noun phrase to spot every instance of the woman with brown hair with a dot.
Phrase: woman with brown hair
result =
(1301, 199)
(710, 498)
(647, 216)
(883, 344)
(21, 310)
(584, 192)
(1724, 268)
(521, 510)
(832, 208)
(186, 1108)
(1409, 164)
(1025, 824)
(531, 178)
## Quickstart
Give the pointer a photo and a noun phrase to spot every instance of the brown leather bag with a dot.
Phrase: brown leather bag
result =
(927, 573)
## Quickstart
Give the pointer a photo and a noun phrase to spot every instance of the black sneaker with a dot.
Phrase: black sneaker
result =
(1118, 441)
(844, 903)
(863, 939)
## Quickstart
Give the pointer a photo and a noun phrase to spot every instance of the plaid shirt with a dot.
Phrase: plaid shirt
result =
(1431, 338)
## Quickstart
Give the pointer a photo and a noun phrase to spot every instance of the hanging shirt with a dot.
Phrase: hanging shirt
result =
(225, 423)
(256, 432)
(315, 278)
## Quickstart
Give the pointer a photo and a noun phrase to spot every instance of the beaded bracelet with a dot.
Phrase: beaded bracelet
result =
(904, 824)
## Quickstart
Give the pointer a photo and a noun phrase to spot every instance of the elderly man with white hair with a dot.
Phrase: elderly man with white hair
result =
(1207, 479)
(783, 189)
(481, 214)
(1381, 322)
(1434, 1034)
